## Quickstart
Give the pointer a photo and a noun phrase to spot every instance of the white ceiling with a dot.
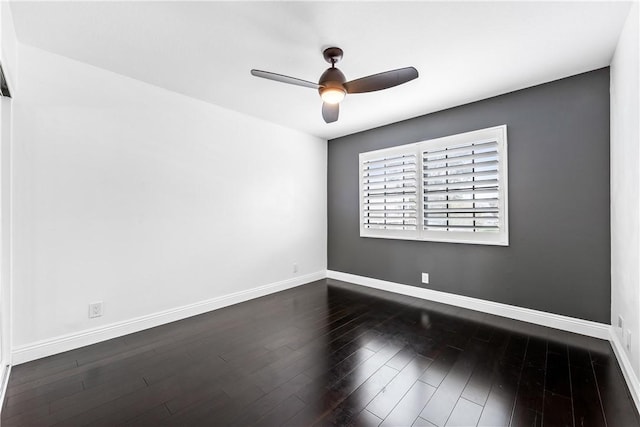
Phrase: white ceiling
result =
(464, 51)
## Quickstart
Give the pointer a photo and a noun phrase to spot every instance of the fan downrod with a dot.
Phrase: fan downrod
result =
(332, 55)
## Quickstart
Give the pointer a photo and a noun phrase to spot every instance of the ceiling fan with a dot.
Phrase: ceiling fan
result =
(333, 86)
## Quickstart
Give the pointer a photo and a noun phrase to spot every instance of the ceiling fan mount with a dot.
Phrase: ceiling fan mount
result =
(333, 86)
(332, 55)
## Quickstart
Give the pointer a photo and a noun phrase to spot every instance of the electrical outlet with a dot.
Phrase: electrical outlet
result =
(295, 267)
(425, 278)
(628, 339)
(620, 322)
(95, 309)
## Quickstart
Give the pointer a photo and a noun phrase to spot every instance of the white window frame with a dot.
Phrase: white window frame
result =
(500, 237)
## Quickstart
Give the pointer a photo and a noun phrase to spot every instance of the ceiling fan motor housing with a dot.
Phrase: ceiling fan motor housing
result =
(333, 79)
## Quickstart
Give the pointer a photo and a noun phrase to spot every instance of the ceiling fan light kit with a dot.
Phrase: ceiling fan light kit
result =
(333, 86)
(332, 95)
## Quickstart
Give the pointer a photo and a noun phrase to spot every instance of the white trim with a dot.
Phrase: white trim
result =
(625, 366)
(6, 372)
(39, 349)
(551, 320)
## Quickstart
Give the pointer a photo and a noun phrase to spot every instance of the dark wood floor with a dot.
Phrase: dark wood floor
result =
(328, 354)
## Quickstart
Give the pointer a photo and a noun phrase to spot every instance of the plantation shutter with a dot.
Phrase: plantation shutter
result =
(461, 188)
(449, 189)
(389, 192)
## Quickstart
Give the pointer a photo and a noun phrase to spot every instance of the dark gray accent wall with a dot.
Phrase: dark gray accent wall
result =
(558, 259)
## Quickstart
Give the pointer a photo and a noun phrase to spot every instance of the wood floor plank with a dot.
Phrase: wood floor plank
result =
(617, 403)
(421, 422)
(479, 385)
(332, 389)
(465, 414)
(586, 400)
(410, 405)
(198, 413)
(436, 373)
(269, 401)
(530, 394)
(282, 413)
(150, 418)
(402, 358)
(441, 405)
(70, 406)
(140, 403)
(388, 398)
(557, 371)
(367, 419)
(351, 407)
(17, 405)
(558, 411)
(498, 408)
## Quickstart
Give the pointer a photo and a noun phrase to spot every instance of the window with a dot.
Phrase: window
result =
(451, 189)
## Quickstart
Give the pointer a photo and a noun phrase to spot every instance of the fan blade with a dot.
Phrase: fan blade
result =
(381, 80)
(330, 112)
(284, 79)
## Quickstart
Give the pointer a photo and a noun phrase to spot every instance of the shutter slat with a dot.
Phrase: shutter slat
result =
(391, 227)
(389, 163)
(407, 203)
(414, 196)
(487, 200)
(391, 158)
(465, 166)
(460, 150)
(411, 171)
(389, 221)
(452, 192)
(394, 182)
(392, 211)
(478, 174)
(391, 191)
(486, 227)
(493, 183)
(462, 210)
(478, 156)
(466, 218)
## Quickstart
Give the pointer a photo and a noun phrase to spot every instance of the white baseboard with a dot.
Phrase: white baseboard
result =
(4, 377)
(565, 323)
(44, 348)
(627, 369)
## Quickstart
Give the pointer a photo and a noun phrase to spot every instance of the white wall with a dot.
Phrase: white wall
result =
(9, 45)
(625, 188)
(9, 60)
(148, 200)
